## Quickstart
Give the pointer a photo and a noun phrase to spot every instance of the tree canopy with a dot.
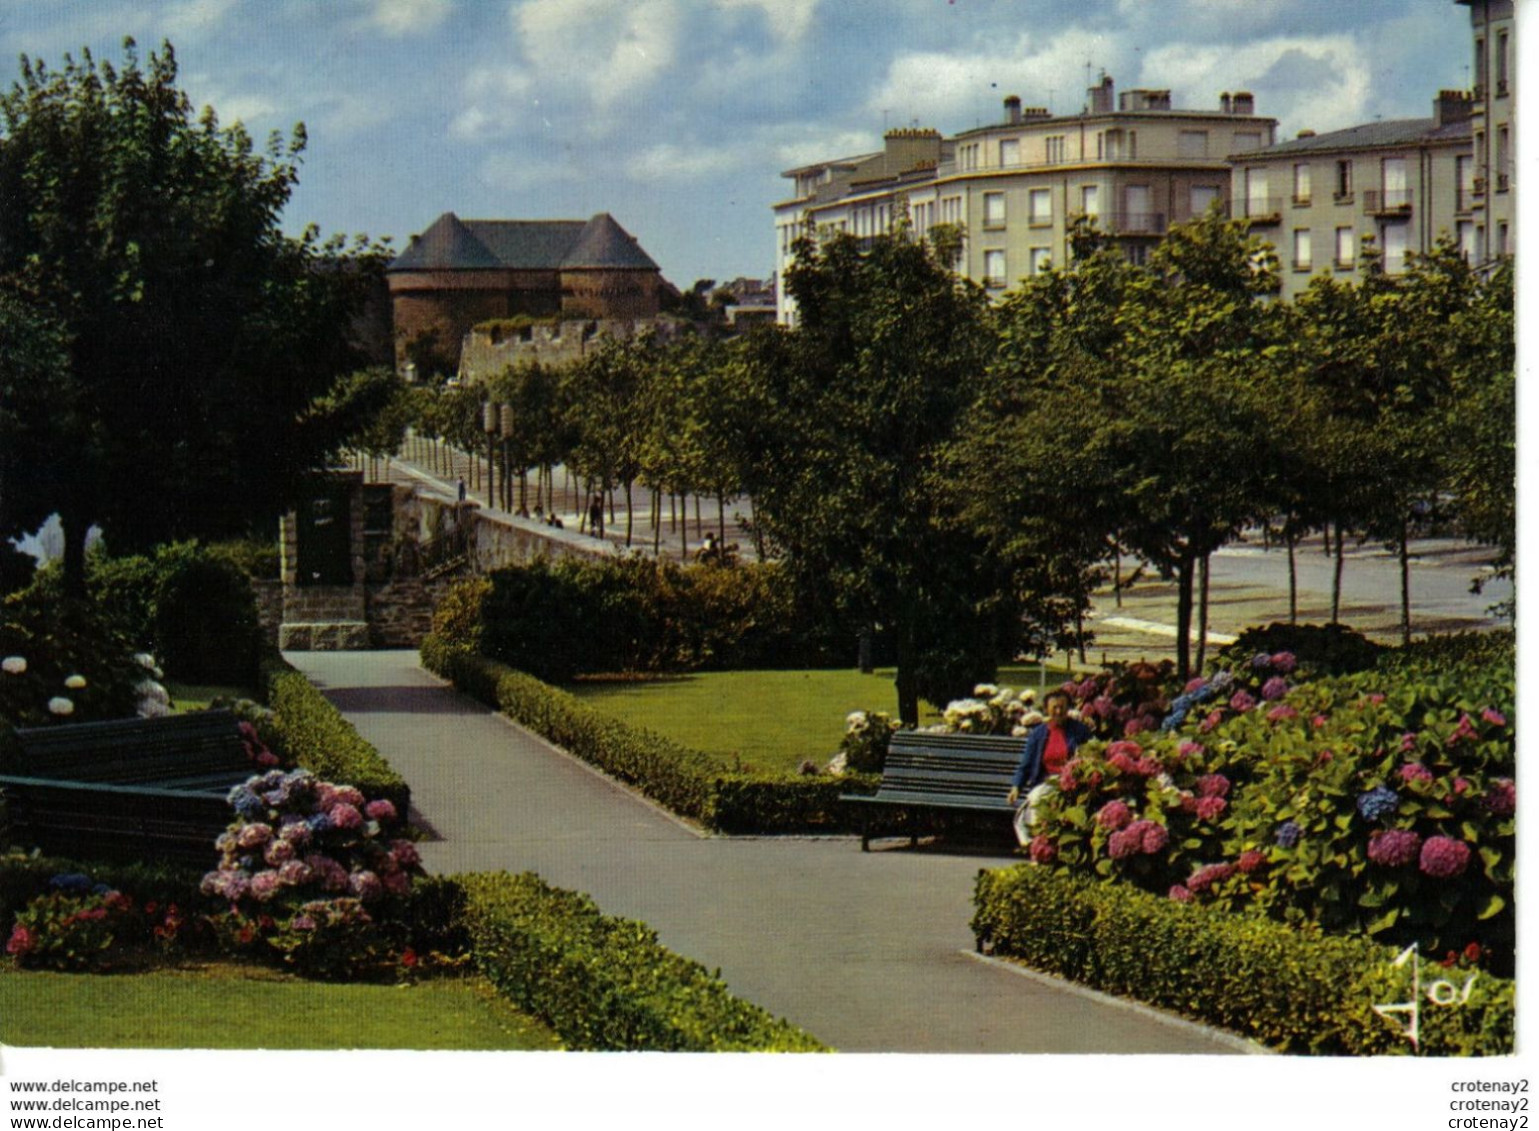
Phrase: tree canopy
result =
(197, 353)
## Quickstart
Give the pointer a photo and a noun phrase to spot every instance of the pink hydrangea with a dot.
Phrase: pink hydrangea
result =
(1494, 717)
(264, 885)
(405, 853)
(1213, 785)
(1407, 742)
(365, 885)
(22, 941)
(1251, 860)
(330, 874)
(1415, 771)
(1242, 701)
(1113, 815)
(1196, 683)
(1284, 662)
(1188, 801)
(1318, 721)
(1067, 782)
(1180, 893)
(381, 810)
(1189, 749)
(1465, 731)
(397, 883)
(296, 873)
(345, 815)
(1124, 747)
(1208, 875)
(1123, 843)
(278, 852)
(1443, 857)
(350, 795)
(1042, 849)
(1152, 836)
(1210, 808)
(325, 795)
(295, 830)
(252, 837)
(1147, 766)
(1281, 713)
(1502, 797)
(1393, 848)
(1212, 720)
(1274, 688)
(304, 921)
(1375, 697)
(1123, 761)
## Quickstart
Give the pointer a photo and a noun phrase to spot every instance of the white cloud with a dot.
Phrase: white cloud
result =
(403, 17)
(494, 101)
(669, 162)
(194, 18)
(809, 147)
(607, 49)
(788, 20)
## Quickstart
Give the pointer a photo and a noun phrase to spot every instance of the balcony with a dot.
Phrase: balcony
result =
(1503, 182)
(1133, 223)
(1388, 203)
(1259, 209)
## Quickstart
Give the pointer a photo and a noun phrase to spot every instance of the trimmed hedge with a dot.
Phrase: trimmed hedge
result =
(318, 738)
(1295, 990)
(605, 983)
(685, 781)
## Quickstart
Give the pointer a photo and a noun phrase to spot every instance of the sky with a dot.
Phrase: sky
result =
(678, 116)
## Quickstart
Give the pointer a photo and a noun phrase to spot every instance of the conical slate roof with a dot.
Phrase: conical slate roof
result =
(447, 244)
(453, 244)
(603, 243)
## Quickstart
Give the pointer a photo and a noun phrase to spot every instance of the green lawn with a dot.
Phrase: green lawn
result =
(771, 720)
(235, 1007)
(197, 696)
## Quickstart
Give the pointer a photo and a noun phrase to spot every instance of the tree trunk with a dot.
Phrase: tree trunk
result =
(630, 512)
(1293, 575)
(1184, 617)
(908, 686)
(1405, 582)
(75, 529)
(721, 517)
(1336, 579)
(1202, 612)
(1117, 572)
(657, 522)
(699, 528)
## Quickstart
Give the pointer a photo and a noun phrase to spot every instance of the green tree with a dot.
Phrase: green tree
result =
(850, 413)
(200, 342)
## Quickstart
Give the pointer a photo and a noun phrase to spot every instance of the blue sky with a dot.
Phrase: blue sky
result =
(679, 115)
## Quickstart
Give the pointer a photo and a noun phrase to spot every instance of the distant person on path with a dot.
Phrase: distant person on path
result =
(1049, 745)
(462, 488)
(596, 516)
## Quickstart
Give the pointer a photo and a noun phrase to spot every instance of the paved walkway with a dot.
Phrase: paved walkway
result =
(869, 952)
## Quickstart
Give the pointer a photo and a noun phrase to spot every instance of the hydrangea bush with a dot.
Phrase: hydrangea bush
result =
(61, 663)
(81, 925)
(312, 873)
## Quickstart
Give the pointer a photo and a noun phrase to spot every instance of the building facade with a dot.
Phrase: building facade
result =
(459, 273)
(1131, 162)
(1493, 127)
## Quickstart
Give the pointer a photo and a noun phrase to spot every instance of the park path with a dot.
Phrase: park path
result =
(868, 951)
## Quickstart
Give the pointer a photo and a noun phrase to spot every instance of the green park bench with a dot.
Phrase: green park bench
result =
(928, 774)
(140, 789)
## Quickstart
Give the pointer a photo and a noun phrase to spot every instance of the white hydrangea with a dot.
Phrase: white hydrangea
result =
(75, 682)
(59, 705)
(13, 665)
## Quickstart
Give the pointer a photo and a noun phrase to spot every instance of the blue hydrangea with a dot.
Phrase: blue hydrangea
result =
(75, 883)
(1261, 660)
(319, 822)
(1220, 682)
(1380, 801)
(247, 803)
(1288, 833)
(1203, 693)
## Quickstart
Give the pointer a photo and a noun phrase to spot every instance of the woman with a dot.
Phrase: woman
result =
(1049, 745)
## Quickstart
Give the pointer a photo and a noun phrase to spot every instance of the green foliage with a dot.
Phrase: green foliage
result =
(606, 983)
(314, 734)
(60, 643)
(61, 931)
(190, 343)
(867, 736)
(1324, 649)
(1294, 989)
(686, 781)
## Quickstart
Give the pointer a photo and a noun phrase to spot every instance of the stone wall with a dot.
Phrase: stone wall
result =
(400, 613)
(485, 353)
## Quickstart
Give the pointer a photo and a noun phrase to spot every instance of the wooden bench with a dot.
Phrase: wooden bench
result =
(928, 772)
(141, 789)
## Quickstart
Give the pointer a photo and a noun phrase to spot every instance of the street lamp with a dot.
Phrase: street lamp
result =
(489, 426)
(507, 436)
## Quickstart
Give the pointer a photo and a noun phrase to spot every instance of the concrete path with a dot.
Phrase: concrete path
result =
(869, 952)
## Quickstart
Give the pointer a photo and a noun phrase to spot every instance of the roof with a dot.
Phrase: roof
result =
(1371, 135)
(452, 244)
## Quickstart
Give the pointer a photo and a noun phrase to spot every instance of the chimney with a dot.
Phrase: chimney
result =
(1452, 106)
(1224, 106)
(1102, 97)
(1244, 102)
(1013, 109)
(1306, 133)
(909, 149)
(1144, 100)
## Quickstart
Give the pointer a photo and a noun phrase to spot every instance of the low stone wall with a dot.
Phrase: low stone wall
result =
(500, 542)
(400, 613)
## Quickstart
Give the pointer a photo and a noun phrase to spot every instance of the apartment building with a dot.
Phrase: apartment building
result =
(1493, 129)
(1131, 161)
(1402, 183)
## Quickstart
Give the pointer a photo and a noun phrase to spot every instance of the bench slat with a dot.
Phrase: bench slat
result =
(135, 750)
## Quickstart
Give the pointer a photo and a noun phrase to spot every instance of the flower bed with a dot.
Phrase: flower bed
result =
(1297, 990)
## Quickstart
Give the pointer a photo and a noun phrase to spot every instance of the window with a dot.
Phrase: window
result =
(994, 268)
(1343, 180)
(1346, 249)
(1396, 194)
(1480, 67)
(1113, 145)
(1040, 260)
(1054, 150)
(1501, 63)
(1192, 144)
(1136, 253)
(1009, 152)
(1303, 258)
(1132, 145)
(1503, 155)
(1203, 197)
(1301, 191)
(1139, 217)
(1501, 238)
(1245, 141)
(1464, 177)
(967, 157)
(1257, 203)
(1392, 238)
(1090, 200)
(993, 210)
(1466, 236)
(1041, 207)
(951, 210)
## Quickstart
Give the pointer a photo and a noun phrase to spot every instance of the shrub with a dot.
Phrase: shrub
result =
(1296, 990)
(64, 919)
(606, 983)
(315, 735)
(867, 735)
(1325, 649)
(61, 661)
